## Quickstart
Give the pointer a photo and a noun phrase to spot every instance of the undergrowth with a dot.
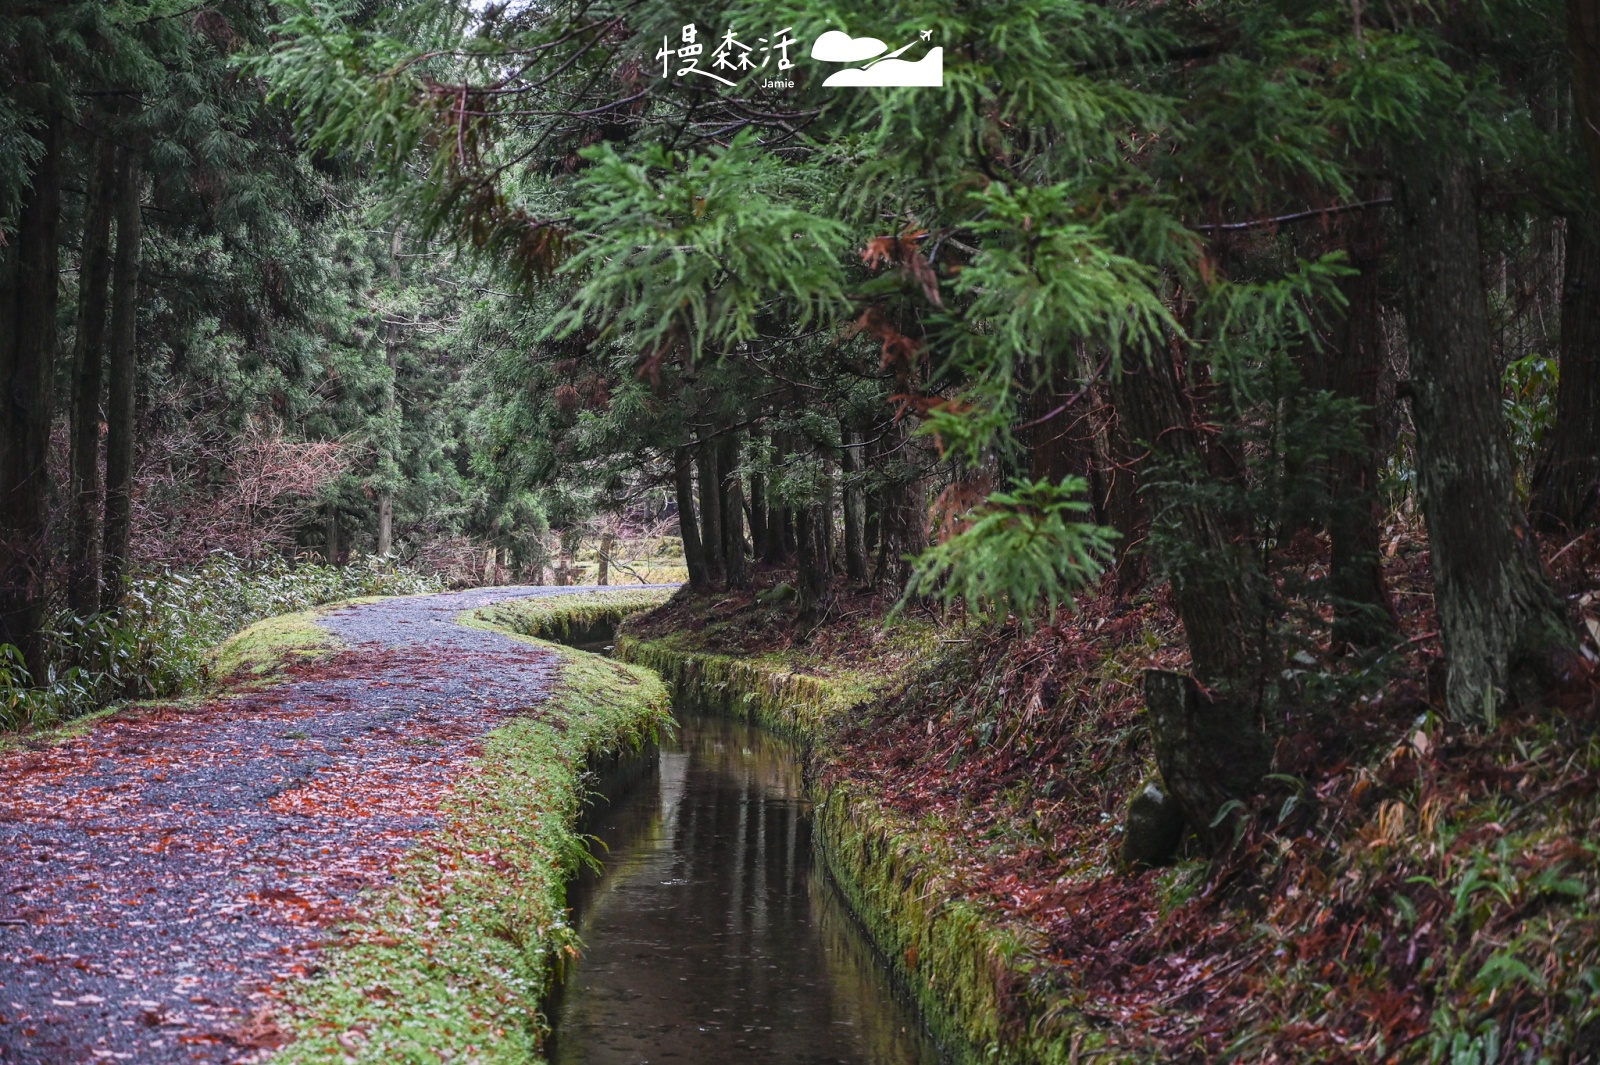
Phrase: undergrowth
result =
(1402, 890)
(155, 645)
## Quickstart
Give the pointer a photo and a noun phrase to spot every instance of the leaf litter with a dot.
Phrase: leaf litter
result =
(169, 868)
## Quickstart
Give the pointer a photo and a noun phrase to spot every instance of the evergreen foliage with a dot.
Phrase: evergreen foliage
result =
(1199, 301)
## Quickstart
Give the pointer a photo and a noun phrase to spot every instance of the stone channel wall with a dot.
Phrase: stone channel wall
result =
(972, 977)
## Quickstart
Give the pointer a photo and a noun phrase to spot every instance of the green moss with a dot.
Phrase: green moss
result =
(796, 704)
(794, 692)
(256, 656)
(975, 981)
(452, 961)
(567, 617)
(973, 978)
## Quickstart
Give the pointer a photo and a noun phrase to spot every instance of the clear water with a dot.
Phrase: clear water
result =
(712, 936)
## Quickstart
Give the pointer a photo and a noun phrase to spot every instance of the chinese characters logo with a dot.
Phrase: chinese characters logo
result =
(732, 59)
(731, 54)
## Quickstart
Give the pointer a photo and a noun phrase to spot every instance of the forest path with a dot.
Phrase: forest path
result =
(163, 870)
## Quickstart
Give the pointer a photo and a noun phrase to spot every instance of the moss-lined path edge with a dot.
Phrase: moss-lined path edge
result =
(454, 959)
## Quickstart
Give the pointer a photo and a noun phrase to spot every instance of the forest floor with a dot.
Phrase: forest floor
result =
(1403, 890)
(167, 867)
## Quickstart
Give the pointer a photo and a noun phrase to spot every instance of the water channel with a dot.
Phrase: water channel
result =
(712, 935)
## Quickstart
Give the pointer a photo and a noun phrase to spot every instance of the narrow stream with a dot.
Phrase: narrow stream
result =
(712, 936)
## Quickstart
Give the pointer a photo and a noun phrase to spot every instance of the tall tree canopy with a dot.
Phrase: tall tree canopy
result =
(1219, 226)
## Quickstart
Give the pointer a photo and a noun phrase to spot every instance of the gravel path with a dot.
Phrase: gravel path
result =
(163, 871)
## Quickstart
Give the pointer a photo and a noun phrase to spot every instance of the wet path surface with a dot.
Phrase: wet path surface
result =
(161, 872)
(712, 938)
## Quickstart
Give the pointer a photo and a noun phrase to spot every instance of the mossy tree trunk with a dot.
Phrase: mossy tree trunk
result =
(1504, 630)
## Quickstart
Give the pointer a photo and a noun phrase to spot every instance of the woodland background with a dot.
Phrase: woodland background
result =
(1169, 290)
(1276, 320)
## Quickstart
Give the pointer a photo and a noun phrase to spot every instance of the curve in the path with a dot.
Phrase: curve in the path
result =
(161, 872)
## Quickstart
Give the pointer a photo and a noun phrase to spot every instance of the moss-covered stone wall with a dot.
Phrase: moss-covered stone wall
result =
(971, 976)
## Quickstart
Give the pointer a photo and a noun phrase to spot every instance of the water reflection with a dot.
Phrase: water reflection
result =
(711, 937)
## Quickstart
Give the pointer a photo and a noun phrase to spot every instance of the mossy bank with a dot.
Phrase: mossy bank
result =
(578, 618)
(452, 961)
(970, 975)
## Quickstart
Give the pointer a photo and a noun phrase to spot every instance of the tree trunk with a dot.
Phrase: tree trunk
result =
(122, 379)
(331, 531)
(1113, 484)
(1209, 750)
(812, 551)
(855, 506)
(1057, 448)
(694, 558)
(1583, 36)
(758, 515)
(710, 479)
(1504, 630)
(904, 527)
(385, 521)
(732, 500)
(780, 529)
(88, 376)
(1566, 486)
(780, 536)
(1364, 615)
(390, 463)
(608, 543)
(1222, 600)
(1217, 587)
(829, 526)
(789, 522)
(28, 293)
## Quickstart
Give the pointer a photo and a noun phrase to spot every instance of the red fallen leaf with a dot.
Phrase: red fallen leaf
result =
(282, 895)
(261, 1031)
